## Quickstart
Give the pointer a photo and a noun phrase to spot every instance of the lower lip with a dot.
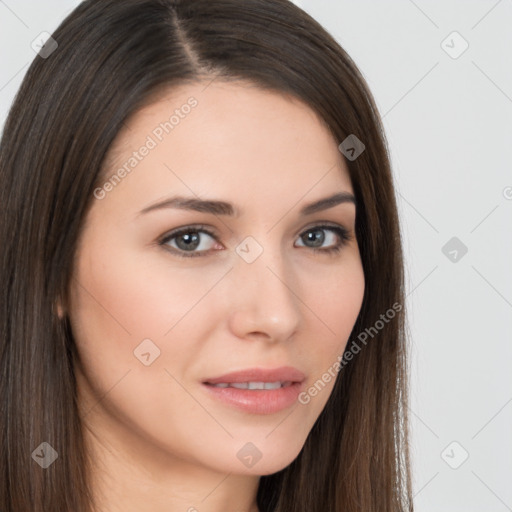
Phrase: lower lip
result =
(257, 401)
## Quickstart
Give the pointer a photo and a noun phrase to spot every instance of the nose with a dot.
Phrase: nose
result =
(265, 303)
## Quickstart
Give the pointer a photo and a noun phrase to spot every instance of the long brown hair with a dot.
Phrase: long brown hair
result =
(113, 57)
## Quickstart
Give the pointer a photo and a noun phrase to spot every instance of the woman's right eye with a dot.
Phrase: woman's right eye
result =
(189, 241)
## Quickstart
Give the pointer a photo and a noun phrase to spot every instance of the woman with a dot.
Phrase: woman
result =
(203, 295)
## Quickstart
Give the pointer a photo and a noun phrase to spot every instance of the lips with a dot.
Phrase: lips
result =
(284, 374)
(252, 385)
(257, 390)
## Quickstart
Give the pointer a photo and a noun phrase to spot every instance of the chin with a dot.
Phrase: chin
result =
(264, 461)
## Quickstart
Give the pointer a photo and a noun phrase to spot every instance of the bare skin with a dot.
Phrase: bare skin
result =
(159, 440)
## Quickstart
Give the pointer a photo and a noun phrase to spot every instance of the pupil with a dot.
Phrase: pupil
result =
(317, 238)
(191, 241)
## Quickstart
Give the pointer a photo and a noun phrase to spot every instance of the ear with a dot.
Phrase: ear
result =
(59, 309)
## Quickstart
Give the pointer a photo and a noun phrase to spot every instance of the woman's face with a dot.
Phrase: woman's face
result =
(257, 282)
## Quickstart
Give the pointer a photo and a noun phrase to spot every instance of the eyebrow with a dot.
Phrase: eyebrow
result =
(224, 208)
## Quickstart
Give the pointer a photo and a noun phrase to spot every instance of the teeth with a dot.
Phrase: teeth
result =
(252, 385)
(239, 385)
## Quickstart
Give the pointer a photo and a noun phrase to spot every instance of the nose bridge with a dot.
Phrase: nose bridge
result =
(265, 300)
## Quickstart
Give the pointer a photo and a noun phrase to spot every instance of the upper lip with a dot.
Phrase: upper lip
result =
(281, 374)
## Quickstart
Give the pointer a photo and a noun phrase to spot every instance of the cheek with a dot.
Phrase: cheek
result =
(334, 296)
(119, 302)
(335, 303)
(124, 305)
(340, 299)
(122, 294)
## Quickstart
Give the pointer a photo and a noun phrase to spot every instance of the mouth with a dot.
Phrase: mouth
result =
(251, 385)
(256, 390)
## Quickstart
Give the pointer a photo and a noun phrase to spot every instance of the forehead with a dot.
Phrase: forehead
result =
(220, 137)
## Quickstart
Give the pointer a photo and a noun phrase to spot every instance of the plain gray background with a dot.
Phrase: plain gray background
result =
(447, 115)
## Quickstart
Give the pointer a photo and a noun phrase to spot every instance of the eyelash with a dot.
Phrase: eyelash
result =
(342, 233)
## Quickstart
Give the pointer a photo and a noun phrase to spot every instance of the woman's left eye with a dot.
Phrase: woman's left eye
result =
(190, 241)
(316, 236)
